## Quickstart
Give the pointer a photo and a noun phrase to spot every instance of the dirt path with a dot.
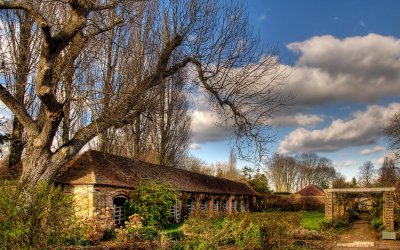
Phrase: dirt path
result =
(362, 236)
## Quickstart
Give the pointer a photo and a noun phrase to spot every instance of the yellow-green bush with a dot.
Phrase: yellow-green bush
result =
(34, 217)
(245, 230)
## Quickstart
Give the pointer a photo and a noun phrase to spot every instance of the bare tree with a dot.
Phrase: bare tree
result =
(389, 173)
(19, 53)
(289, 173)
(210, 35)
(366, 174)
(392, 133)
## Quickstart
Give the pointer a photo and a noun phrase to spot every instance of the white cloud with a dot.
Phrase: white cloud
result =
(331, 69)
(363, 129)
(262, 17)
(206, 127)
(194, 146)
(362, 24)
(379, 161)
(372, 150)
(297, 120)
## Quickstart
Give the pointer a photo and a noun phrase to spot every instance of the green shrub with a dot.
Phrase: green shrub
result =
(244, 230)
(377, 224)
(334, 224)
(35, 217)
(175, 234)
(152, 201)
(148, 233)
(109, 234)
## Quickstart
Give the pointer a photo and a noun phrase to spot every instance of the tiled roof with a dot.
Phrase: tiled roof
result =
(94, 167)
(311, 190)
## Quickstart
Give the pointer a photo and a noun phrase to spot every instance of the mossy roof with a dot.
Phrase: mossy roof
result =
(98, 168)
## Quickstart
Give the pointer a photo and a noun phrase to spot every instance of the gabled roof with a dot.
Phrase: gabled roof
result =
(311, 190)
(98, 168)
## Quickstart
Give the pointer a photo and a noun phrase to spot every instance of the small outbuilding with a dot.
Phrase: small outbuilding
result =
(101, 183)
(310, 191)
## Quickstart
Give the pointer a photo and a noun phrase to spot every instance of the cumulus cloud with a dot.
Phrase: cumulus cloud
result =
(364, 128)
(372, 150)
(194, 146)
(378, 161)
(297, 120)
(355, 69)
(331, 69)
(206, 127)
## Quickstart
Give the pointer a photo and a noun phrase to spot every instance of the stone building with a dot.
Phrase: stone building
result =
(101, 183)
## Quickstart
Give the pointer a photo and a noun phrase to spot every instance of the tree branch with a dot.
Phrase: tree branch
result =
(18, 110)
(39, 18)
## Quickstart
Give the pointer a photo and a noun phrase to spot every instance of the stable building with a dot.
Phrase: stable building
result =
(101, 183)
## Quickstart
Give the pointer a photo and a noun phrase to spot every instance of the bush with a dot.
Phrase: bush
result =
(174, 234)
(34, 217)
(152, 201)
(291, 203)
(148, 233)
(377, 224)
(334, 224)
(246, 231)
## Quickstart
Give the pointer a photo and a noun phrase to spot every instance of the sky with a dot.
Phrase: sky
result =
(343, 64)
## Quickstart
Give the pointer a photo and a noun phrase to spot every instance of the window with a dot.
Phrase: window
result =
(216, 205)
(234, 206)
(175, 214)
(225, 205)
(204, 205)
(118, 205)
(190, 205)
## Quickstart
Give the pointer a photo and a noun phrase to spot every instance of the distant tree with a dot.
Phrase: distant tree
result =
(366, 174)
(392, 133)
(247, 172)
(340, 181)
(354, 182)
(259, 182)
(389, 173)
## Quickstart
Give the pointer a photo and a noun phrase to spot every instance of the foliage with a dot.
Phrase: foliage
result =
(152, 201)
(245, 231)
(93, 228)
(311, 220)
(291, 203)
(377, 224)
(174, 234)
(34, 217)
(131, 229)
(334, 224)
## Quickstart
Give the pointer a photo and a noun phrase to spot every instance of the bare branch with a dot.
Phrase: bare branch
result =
(18, 110)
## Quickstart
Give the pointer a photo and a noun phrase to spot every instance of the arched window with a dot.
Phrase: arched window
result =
(118, 205)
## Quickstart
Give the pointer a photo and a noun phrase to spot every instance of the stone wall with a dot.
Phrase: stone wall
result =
(97, 201)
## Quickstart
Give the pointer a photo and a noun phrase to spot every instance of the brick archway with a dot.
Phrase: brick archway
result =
(333, 209)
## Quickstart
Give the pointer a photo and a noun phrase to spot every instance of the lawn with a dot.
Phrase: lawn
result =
(310, 220)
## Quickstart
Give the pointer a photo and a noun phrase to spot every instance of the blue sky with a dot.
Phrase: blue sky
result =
(343, 59)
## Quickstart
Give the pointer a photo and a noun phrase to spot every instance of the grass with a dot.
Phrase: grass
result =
(310, 219)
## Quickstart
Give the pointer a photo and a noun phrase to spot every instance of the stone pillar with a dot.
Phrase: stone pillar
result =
(329, 206)
(388, 210)
(211, 203)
